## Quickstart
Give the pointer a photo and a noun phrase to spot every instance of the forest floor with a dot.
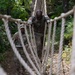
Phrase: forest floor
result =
(9, 64)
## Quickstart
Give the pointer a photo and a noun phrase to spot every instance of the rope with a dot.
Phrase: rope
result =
(24, 49)
(33, 41)
(14, 48)
(34, 10)
(52, 48)
(48, 47)
(61, 45)
(44, 39)
(44, 13)
(12, 19)
(38, 66)
(45, 8)
(33, 45)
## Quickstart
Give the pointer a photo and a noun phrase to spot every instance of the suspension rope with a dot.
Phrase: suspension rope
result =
(24, 49)
(45, 8)
(45, 31)
(34, 10)
(33, 40)
(48, 47)
(33, 45)
(61, 45)
(52, 48)
(14, 48)
(31, 48)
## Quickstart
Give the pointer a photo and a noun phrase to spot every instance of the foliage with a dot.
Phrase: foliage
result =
(3, 39)
(21, 9)
(55, 7)
(17, 9)
(69, 29)
(66, 55)
(2, 57)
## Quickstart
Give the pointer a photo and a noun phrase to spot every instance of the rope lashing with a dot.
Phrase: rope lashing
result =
(5, 20)
(52, 48)
(61, 45)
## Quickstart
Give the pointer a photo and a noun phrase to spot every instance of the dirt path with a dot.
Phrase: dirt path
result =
(8, 64)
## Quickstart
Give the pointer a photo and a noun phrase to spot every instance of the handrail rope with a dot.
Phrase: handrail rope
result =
(65, 15)
(23, 22)
(45, 13)
(15, 20)
(34, 41)
(12, 19)
(45, 8)
(26, 53)
(34, 10)
(61, 45)
(31, 48)
(72, 72)
(42, 6)
(14, 47)
(52, 48)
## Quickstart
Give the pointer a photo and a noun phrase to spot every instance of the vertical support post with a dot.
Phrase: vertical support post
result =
(73, 48)
(61, 45)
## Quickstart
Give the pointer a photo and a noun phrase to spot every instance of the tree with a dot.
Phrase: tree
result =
(65, 5)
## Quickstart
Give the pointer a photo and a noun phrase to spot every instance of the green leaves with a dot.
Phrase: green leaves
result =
(17, 9)
(69, 29)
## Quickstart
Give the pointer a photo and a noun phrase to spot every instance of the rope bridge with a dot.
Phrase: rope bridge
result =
(37, 67)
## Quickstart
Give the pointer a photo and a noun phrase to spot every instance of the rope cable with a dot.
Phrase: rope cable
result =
(14, 48)
(61, 45)
(52, 48)
(24, 49)
(31, 48)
